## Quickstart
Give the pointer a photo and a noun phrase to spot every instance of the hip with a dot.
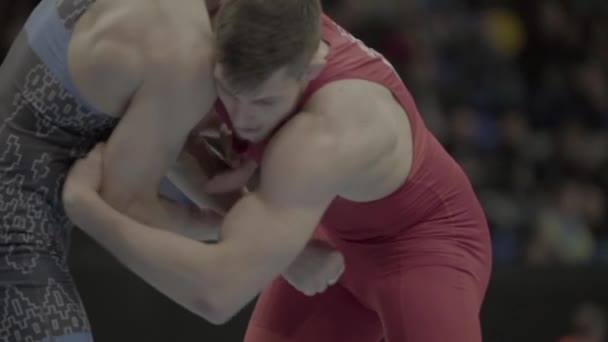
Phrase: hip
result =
(469, 249)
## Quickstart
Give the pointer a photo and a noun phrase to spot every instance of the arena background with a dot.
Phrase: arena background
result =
(518, 92)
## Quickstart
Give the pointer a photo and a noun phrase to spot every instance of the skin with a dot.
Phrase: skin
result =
(332, 148)
(150, 64)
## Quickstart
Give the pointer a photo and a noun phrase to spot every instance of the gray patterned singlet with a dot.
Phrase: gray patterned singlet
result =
(44, 127)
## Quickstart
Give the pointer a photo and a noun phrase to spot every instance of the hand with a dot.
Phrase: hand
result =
(232, 179)
(228, 172)
(83, 179)
(200, 148)
(316, 268)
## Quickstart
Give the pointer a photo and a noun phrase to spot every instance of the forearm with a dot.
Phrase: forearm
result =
(148, 207)
(213, 280)
(174, 217)
(191, 173)
(172, 264)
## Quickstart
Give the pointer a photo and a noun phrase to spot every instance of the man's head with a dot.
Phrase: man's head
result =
(267, 53)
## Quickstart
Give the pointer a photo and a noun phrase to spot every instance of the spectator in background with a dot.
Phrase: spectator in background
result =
(588, 325)
(561, 234)
(12, 17)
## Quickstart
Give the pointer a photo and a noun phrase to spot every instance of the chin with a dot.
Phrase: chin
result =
(254, 138)
(257, 139)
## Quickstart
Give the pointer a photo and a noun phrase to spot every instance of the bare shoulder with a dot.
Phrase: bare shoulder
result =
(119, 45)
(363, 113)
(352, 140)
(301, 160)
(375, 131)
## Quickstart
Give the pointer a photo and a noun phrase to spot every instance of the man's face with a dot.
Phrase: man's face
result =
(256, 112)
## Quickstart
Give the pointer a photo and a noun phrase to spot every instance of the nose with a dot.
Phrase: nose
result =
(240, 114)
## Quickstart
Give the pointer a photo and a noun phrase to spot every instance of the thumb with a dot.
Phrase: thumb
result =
(338, 269)
(334, 280)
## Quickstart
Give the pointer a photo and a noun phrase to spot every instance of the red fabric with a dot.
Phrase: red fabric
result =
(432, 224)
(419, 304)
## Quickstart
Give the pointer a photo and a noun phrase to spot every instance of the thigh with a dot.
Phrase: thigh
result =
(431, 304)
(41, 305)
(283, 314)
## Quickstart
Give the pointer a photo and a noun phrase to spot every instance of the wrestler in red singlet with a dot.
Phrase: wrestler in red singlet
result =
(417, 261)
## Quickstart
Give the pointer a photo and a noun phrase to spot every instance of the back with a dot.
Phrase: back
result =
(44, 127)
(35, 82)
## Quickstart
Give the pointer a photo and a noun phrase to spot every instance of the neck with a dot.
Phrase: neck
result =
(323, 50)
(319, 61)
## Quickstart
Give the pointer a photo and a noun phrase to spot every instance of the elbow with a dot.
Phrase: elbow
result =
(222, 296)
(219, 318)
(119, 200)
(218, 303)
(215, 311)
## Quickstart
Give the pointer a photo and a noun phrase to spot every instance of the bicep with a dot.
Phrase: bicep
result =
(174, 95)
(146, 143)
(259, 240)
(267, 229)
(105, 69)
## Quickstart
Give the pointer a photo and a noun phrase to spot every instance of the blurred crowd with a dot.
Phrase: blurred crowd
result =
(518, 93)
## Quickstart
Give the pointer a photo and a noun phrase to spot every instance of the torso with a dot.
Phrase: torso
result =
(48, 119)
(414, 186)
(148, 27)
(381, 135)
(44, 127)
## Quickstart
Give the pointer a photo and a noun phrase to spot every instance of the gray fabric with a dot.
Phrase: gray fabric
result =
(44, 128)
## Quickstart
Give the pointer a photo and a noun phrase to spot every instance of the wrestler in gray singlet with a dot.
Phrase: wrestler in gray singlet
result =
(44, 127)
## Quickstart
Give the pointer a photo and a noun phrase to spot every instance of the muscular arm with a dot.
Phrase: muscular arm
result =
(305, 167)
(262, 233)
(161, 95)
(144, 146)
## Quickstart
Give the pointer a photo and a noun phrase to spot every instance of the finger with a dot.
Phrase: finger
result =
(322, 288)
(225, 131)
(290, 282)
(213, 151)
(231, 180)
(308, 293)
(227, 181)
(226, 142)
(209, 133)
(335, 279)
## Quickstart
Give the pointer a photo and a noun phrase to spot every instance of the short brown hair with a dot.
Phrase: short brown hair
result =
(257, 37)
